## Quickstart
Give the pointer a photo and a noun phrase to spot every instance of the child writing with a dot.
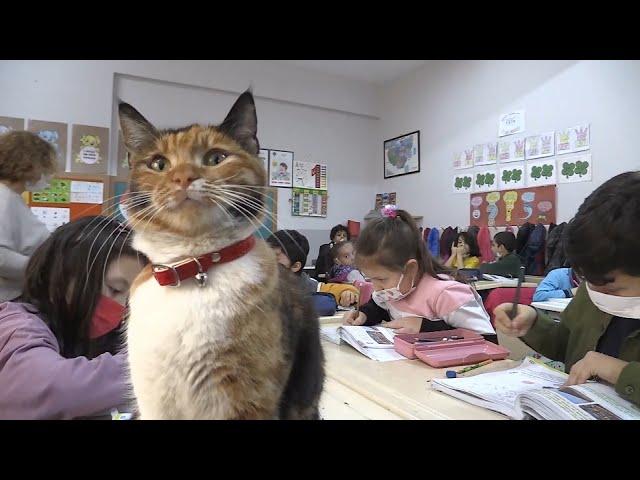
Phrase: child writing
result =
(465, 252)
(598, 334)
(343, 271)
(412, 291)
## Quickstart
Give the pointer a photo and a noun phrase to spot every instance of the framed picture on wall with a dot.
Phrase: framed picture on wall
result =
(402, 155)
(280, 168)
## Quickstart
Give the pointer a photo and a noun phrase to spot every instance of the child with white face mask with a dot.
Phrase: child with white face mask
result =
(27, 163)
(599, 332)
(412, 291)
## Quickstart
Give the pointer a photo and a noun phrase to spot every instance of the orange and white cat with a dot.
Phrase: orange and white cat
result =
(240, 341)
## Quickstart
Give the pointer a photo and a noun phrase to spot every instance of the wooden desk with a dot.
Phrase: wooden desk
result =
(398, 389)
(336, 319)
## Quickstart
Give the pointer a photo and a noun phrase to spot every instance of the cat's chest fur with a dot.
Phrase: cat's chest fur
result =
(185, 342)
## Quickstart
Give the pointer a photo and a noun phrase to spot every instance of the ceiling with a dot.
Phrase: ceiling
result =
(379, 72)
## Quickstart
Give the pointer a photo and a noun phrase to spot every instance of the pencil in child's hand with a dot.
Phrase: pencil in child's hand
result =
(516, 300)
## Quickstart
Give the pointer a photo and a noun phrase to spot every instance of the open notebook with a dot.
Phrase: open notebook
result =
(375, 343)
(534, 389)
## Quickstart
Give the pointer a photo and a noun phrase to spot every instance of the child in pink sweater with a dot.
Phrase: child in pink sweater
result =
(412, 291)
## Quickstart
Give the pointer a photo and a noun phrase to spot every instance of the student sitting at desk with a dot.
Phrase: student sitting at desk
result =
(412, 291)
(59, 348)
(292, 248)
(598, 335)
(465, 252)
(343, 271)
(339, 233)
(559, 283)
(508, 263)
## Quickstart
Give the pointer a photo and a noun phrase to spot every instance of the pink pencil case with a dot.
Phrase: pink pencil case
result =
(461, 347)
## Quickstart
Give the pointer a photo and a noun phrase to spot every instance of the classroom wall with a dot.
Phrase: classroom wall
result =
(320, 117)
(456, 104)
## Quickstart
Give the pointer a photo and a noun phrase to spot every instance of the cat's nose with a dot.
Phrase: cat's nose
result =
(184, 178)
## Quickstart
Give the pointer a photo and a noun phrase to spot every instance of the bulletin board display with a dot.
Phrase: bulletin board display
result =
(514, 207)
(69, 197)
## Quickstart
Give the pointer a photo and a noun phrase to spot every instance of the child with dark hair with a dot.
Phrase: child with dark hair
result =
(343, 271)
(412, 291)
(339, 233)
(598, 335)
(291, 249)
(507, 263)
(465, 252)
(60, 347)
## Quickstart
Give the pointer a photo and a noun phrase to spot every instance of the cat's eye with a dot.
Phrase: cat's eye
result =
(213, 157)
(158, 164)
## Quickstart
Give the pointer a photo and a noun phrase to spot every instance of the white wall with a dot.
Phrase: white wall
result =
(456, 104)
(324, 118)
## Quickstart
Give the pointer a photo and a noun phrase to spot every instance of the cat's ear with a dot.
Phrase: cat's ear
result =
(137, 132)
(241, 123)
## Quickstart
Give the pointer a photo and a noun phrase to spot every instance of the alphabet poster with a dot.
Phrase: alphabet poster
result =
(89, 149)
(56, 134)
(511, 150)
(538, 146)
(485, 153)
(514, 207)
(463, 159)
(574, 139)
(10, 123)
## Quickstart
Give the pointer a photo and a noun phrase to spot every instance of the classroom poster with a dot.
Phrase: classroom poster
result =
(574, 139)
(8, 124)
(575, 169)
(87, 192)
(511, 176)
(514, 207)
(485, 153)
(463, 183)
(541, 172)
(280, 168)
(56, 134)
(539, 146)
(52, 217)
(308, 202)
(309, 175)
(511, 150)
(463, 159)
(485, 180)
(402, 155)
(263, 155)
(89, 149)
(511, 123)
(58, 191)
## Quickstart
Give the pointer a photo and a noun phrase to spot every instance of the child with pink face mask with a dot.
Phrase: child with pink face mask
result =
(412, 291)
(60, 345)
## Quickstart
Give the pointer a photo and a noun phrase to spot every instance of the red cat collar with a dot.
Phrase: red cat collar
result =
(173, 275)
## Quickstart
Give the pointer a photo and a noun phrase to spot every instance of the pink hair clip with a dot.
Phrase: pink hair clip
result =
(390, 211)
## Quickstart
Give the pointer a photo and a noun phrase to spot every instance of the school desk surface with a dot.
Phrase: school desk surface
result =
(490, 284)
(359, 388)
